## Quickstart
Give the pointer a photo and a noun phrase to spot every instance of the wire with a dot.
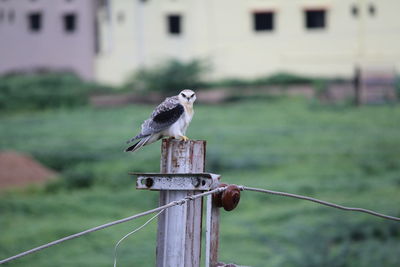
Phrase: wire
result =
(169, 205)
(320, 202)
(192, 197)
(134, 231)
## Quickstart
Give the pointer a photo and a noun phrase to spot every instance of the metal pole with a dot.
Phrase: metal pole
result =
(179, 228)
(357, 86)
(212, 233)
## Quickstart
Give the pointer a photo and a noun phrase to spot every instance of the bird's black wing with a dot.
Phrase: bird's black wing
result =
(166, 118)
(164, 115)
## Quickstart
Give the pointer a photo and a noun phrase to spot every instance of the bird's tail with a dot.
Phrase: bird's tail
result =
(138, 145)
(136, 137)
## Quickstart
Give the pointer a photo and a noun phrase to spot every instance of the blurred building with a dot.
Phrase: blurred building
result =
(244, 38)
(47, 35)
(251, 38)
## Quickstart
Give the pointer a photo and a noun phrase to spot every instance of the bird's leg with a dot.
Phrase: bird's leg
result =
(184, 138)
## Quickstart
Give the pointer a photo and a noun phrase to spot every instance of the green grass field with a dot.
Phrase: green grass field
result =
(350, 156)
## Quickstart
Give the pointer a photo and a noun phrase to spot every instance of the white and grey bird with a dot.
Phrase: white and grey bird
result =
(170, 119)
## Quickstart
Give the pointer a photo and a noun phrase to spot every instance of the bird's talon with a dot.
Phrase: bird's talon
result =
(185, 138)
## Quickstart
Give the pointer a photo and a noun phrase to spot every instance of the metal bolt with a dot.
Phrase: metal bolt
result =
(149, 182)
(196, 182)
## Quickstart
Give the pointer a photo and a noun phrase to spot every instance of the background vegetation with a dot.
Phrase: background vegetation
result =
(169, 75)
(350, 156)
(44, 90)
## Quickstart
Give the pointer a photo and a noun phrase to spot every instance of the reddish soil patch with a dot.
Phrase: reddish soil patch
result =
(18, 170)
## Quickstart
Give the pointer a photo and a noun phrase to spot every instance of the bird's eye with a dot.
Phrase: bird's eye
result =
(182, 94)
(192, 96)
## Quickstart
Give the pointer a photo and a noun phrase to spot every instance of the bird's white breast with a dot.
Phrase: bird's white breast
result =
(185, 119)
(188, 115)
(179, 127)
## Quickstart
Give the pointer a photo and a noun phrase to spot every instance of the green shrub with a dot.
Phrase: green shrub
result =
(283, 78)
(169, 77)
(279, 79)
(44, 90)
(320, 86)
(342, 243)
(75, 179)
(229, 82)
(62, 160)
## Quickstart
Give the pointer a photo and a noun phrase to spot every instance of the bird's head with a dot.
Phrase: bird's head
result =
(187, 97)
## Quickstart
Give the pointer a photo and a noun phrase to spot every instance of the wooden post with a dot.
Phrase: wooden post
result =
(357, 86)
(179, 228)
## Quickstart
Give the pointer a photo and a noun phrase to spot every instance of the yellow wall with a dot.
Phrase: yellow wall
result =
(117, 56)
(222, 31)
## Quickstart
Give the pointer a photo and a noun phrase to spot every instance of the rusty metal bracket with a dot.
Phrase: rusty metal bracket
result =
(176, 181)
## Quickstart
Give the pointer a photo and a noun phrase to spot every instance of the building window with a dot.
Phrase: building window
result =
(263, 21)
(11, 16)
(121, 17)
(315, 19)
(70, 22)
(354, 11)
(35, 21)
(174, 24)
(372, 10)
(102, 3)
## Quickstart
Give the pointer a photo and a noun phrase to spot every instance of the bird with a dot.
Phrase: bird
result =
(169, 119)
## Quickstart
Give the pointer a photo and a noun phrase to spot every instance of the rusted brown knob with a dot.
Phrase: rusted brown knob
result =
(217, 197)
(230, 197)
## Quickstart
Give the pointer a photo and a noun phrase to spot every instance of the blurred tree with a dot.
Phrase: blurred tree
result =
(30, 91)
(169, 77)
